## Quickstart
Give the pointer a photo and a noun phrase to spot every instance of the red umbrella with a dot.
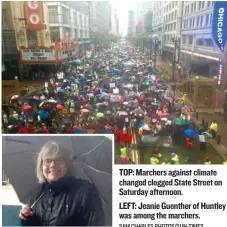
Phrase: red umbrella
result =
(59, 107)
(164, 115)
(27, 107)
(108, 126)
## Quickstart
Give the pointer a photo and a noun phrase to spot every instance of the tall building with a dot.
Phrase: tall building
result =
(198, 51)
(172, 15)
(143, 7)
(37, 46)
(114, 22)
(157, 21)
(131, 23)
(10, 67)
(148, 22)
(99, 16)
(69, 18)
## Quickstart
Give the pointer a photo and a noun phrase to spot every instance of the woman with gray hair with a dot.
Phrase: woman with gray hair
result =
(61, 199)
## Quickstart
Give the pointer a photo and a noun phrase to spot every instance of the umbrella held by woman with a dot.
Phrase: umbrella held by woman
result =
(61, 199)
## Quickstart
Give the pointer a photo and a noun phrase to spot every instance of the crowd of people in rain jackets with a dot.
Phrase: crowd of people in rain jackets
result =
(118, 91)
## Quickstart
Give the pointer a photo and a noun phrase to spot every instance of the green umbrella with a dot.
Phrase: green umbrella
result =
(77, 61)
(179, 121)
(71, 67)
(207, 135)
(99, 115)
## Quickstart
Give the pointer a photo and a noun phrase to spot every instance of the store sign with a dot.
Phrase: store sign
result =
(66, 54)
(219, 27)
(220, 72)
(34, 15)
(38, 55)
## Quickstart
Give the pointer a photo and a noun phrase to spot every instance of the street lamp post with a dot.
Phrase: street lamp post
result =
(150, 43)
(176, 42)
(155, 48)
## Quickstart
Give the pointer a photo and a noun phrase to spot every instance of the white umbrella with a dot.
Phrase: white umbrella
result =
(14, 97)
(146, 127)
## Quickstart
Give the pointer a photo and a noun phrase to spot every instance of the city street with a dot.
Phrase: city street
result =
(142, 155)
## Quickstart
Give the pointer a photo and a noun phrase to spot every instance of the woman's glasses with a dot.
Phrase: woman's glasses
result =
(48, 161)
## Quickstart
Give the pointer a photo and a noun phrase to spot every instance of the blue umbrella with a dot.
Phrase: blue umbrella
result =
(43, 114)
(190, 132)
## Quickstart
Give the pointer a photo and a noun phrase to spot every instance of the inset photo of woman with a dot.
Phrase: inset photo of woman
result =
(57, 180)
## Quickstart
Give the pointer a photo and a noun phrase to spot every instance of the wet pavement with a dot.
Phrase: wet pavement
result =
(144, 153)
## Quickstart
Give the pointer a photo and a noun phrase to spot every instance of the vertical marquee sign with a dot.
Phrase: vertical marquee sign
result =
(34, 15)
(219, 31)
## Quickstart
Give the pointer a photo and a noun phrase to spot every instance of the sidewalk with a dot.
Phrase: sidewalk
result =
(221, 149)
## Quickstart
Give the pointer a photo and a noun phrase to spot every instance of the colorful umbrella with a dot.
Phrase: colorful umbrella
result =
(99, 115)
(207, 134)
(122, 113)
(164, 115)
(190, 132)
(146, 127)
(59, 107)
(52, 101)
(43, 114)
(41, 104)
(179, 121)
(85, 111)
(14, 97)
(27, 107)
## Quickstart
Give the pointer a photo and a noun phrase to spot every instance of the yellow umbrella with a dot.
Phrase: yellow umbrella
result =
(52, 101)
(85, 111)
(41, 104)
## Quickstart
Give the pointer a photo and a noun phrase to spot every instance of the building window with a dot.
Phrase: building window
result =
(194, 7)
(190, 23)
(197, 21)
(75, 19)
(193, 22)
(53, 14)
(85, 22)
(207, 19)
(65, 16)
(80, 20)
(184, 39)
(209, 4)
(199, 8)
(65, 30)
(190, 39)
(201, 21)
(54, 34)
(203, 4)
(174, 26)
(76, 33)
(5, 18)
(200, 42)
(32, 38)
